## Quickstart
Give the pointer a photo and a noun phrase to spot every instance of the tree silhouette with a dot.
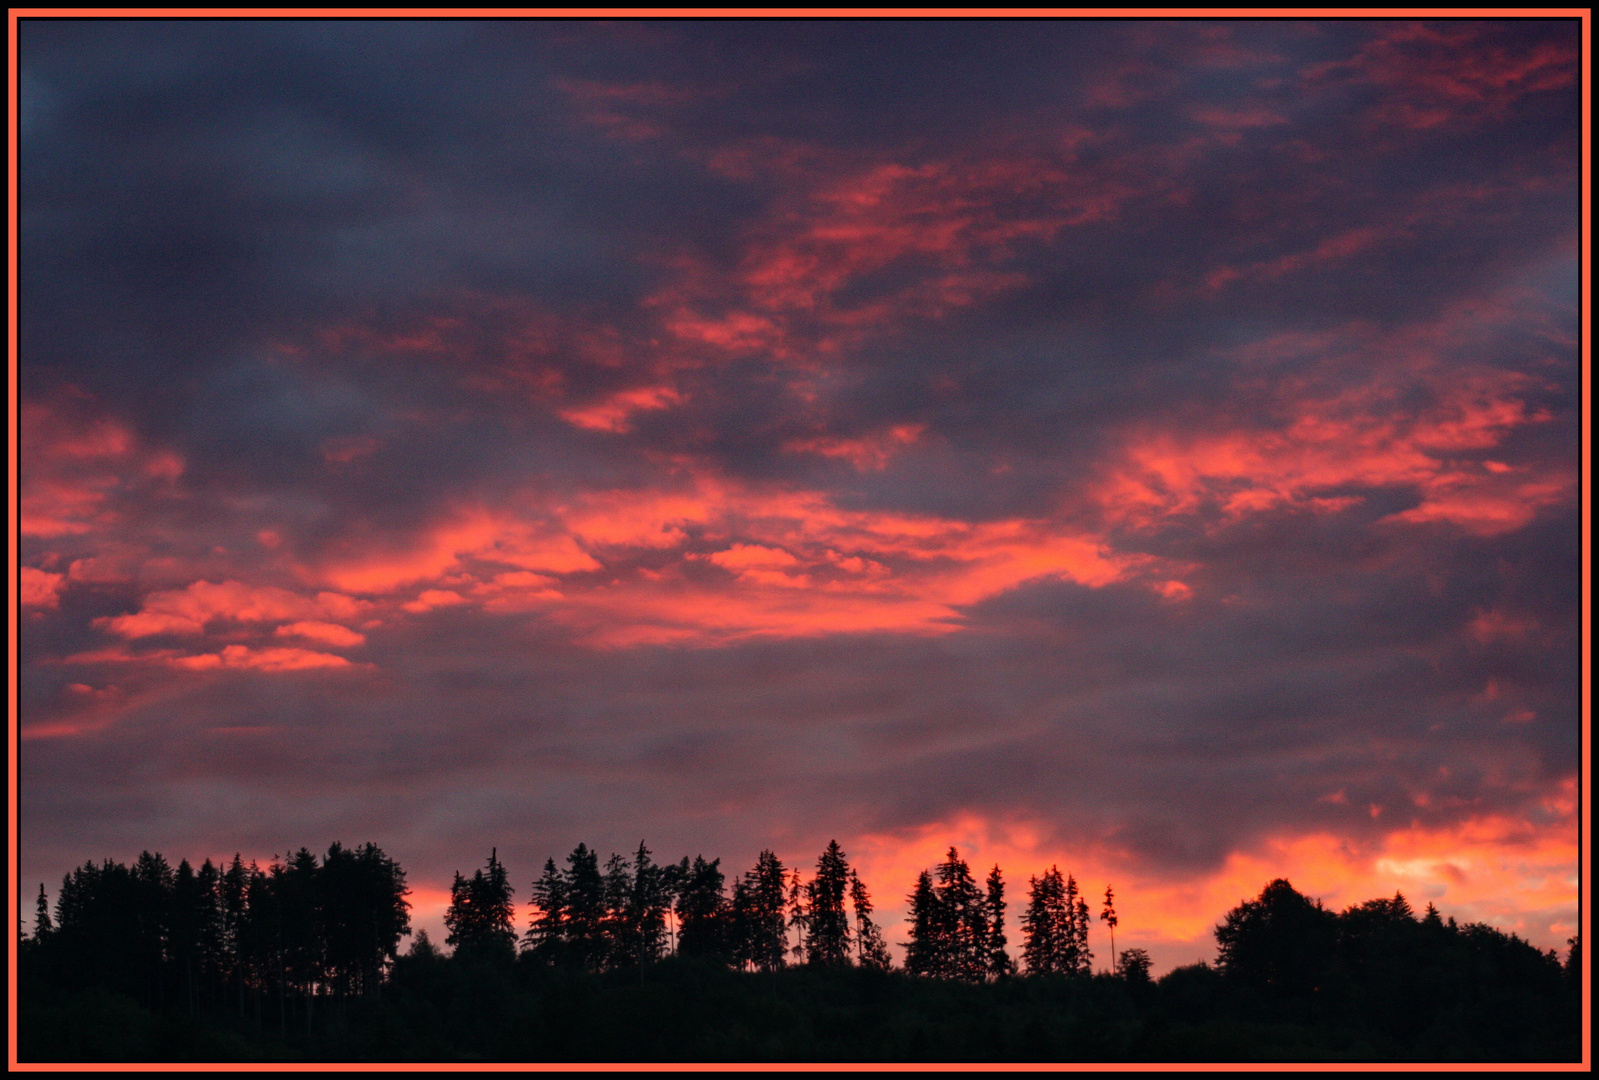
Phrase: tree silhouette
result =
(1281, 941)
(761, 912)
(644, 911)
(924, 949)
(365, 914)
(1078, 960)
(1044, 922)
(1300, 982)
(962, 918)
(1107, 915)
(1134, 966)
(42, 925)
(481, 916)
(546, 933)
(826, 928)
(704, 915)
(585, 906)
(999, 962)
(870, 950)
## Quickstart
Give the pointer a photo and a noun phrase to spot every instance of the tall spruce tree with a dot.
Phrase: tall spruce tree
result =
(42, 927)
(1080, 959)
(765, 914)
(962, 919)
(546, 931)
(619, 944)
(585, 939)
(999, 962)
(645, 910)
(925, 948)
(1046, 925)
(826, 928)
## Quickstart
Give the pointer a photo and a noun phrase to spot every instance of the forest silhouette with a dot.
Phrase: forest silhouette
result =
(635, 960)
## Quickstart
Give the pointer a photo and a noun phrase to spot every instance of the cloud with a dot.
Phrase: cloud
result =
(188, 611)
(39, 588)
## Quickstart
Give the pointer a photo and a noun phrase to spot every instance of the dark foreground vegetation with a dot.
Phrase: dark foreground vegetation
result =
(640, 962)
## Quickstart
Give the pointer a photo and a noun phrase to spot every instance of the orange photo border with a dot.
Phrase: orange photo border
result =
(1584, 15)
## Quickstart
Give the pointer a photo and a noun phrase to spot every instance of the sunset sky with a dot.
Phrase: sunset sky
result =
(1146, 447)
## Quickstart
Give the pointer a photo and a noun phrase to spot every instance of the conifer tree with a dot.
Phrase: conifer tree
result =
(765, 922)
(1084, 956)
(645, 911)
(546, 929)
(618, 943)
(42, 926)
(1047, 926)
(1107, 915)
(924, 949)
(585, 909)
(999, 962)
(1134, 965)
(703, 913)
(798, 917)
(961, 921)
(870, 950)
(482, 917)
(1071, 951)
(235, 943)
(827, 933)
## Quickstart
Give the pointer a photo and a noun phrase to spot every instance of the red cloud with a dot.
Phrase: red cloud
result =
(1442, 74)
(39, 588)
(188, 611)
(242, 658)
(79, 461)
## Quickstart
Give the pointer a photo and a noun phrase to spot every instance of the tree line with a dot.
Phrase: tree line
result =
(295, 949)
(265, 941)
(635, 911)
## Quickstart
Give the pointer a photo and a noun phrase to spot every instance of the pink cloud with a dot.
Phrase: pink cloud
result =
(240, 657)
(40, 588)
(327, 633)
(614, 413)
(79, 461)
(189, 610)
(868, 452)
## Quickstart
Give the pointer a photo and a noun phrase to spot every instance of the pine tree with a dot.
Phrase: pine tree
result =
(999, 962)
(1071, 952)
(827, 933)
(798, 917)
(619, 945)
(762, 914)
(42, 927)
(547, 928)
(1084, 957)
(585, 909)
(235, 943)
(870, 950)
(646, 907)
(481, 917)
(924, 949)
(1107, 915)
(703, 913)
(1047, 926)
(961, 921)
